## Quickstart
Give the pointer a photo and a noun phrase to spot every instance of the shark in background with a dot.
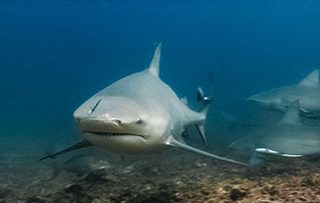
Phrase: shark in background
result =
(307, 92)
(139, 114)
(288, 139)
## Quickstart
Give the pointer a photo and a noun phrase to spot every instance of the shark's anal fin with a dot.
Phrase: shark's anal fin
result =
(200, 129)
(83, 144)
(173, 142)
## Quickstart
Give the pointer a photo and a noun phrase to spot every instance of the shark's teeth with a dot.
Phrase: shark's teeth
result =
(114, 134)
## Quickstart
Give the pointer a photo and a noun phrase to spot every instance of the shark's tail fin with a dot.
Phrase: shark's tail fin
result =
(204, 110)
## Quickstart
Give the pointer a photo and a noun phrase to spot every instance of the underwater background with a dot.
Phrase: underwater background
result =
(56, 54)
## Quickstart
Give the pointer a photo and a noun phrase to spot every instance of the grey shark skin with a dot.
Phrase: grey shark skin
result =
(288, 139)
(307, 92)
(139, 114)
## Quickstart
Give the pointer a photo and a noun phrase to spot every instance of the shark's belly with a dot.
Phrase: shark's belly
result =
(292, 145)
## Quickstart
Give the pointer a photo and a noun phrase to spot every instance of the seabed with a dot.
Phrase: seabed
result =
(172, 176)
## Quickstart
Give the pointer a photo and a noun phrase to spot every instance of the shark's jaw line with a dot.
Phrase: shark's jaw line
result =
(113, 134)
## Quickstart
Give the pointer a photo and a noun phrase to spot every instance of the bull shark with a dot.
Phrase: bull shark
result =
(139, 114)
(307, 92)
(287, 140)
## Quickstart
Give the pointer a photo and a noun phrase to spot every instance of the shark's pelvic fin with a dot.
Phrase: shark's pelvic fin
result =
(173, 142)
(256, 159)
(83, 144)
(155, 62)
(312, 80)
(292, 116)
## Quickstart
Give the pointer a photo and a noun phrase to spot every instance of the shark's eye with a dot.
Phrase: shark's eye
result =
(139, 121)
(117, 121)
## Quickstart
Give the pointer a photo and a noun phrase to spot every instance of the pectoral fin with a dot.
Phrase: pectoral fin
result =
(83, 144)
(173, 142)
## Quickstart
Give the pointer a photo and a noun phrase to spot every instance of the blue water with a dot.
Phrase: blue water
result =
(56, 54)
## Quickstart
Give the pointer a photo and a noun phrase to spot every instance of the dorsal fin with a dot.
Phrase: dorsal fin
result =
(154, 65)
(184, 100)
(292, 116)
(312, 80)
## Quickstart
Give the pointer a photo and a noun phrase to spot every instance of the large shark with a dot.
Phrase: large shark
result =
(307, 92)
(288, 139)
(139, 114)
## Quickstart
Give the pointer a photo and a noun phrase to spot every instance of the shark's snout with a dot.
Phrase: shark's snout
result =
(267, 98)
(258, 98)
(251, 98)
(98, 124)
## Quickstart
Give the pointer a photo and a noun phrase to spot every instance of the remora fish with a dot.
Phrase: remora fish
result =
(138, 114)
(307, 92)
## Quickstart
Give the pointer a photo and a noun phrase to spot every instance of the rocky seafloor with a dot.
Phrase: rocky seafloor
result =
(172, 176)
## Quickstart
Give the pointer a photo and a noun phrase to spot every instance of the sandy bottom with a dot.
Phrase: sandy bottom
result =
(173, 176)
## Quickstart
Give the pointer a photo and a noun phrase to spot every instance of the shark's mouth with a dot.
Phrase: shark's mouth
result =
(113, 134)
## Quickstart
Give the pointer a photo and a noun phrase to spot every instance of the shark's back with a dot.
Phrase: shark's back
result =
(144, 88)
(306, 91)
